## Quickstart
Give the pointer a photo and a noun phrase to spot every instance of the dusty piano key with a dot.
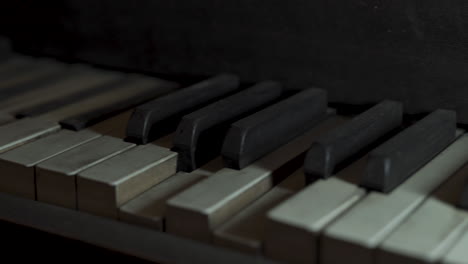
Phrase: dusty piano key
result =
(149, 208)
(55, 177)
(458, 253)
(427, 235)
(28, 129)
(394, 161)
(254, 136)
(198, 210)
(37, 92)
(200, 135)
(17, 171)
(246, 230)
(23, 131)
(38, 151)
(148, 121)
(78, 84)
(340, 144)
(299, 221)
(155, 87)
(355, 235)
(112, 99)
(103, 188)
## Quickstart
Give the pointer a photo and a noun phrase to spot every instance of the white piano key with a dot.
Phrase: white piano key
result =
(355, 235)
(149, 208)
(114, 96)
(458, 254)
(84, 79)
(103, 188)
(23, 131)
(425, 237)
(55, 177)
(428, 234)
(195, 212)
(17, 166)
(298, 221)
(45, 68)
(246, 230)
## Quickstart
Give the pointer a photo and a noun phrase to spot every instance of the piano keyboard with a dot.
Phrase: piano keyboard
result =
(217, 171)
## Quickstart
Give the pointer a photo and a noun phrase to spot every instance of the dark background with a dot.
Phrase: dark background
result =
(361, 51)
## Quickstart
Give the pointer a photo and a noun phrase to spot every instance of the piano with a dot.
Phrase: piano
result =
(104, 159)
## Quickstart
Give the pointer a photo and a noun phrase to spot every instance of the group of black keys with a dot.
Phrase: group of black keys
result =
(215, 117)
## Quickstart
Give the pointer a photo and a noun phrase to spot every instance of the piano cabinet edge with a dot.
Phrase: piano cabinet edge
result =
(51, 233)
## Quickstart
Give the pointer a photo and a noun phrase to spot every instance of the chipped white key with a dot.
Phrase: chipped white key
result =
(428, 234)
(103, 188)
(149, 208)
(195, 212)
(55, 177)
(355, 235)
(23, 131)
(298, 221)
(246, 230)
(17, 166)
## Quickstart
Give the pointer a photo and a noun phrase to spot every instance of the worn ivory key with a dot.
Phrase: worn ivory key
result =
(246, 230)
(56, 177)
(429, 233)
(17, 167)
(103, 188)
(205, 206)
(299, 220)
(356, 234)
(149, 208)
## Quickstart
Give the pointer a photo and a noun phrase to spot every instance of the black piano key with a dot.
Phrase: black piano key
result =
(5, 48)
(393, 162)
(90, 118)
(199, 136)
(342, 143)
(161, 116)
(251, 138)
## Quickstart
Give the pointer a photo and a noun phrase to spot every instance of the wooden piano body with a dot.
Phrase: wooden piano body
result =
(360, 52)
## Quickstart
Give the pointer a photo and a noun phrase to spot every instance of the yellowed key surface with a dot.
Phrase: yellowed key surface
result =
(114, 96)
(149, 208)
(106, 186)
(17, 167)
(79, 80)
(246, 230)
(55, 179)
(197, 211)
(23, 131)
